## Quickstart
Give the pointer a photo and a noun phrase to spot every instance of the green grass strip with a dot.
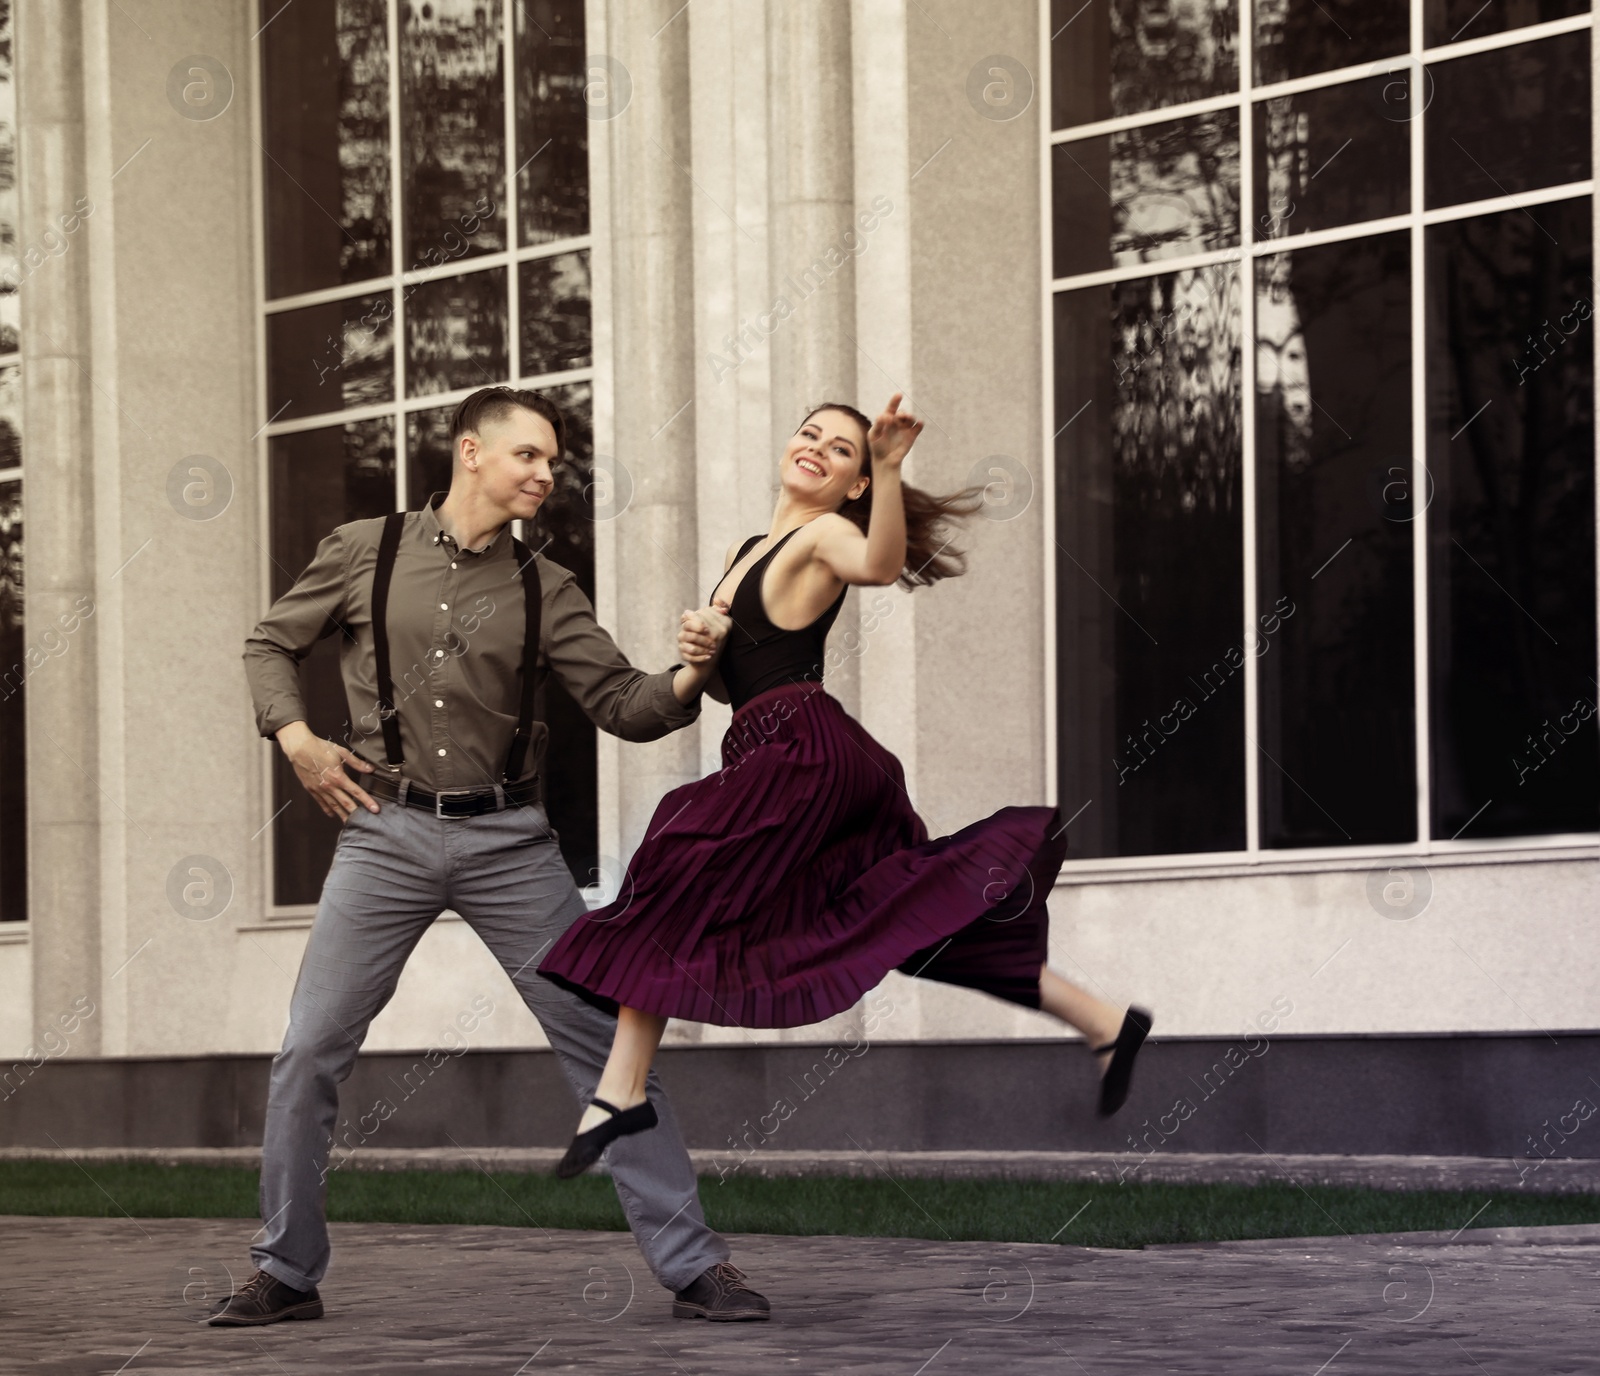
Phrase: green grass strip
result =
(1080, 1213)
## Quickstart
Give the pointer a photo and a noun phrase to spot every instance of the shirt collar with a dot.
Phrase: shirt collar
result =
(435, 533)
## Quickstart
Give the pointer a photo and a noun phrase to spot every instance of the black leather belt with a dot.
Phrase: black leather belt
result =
(452, 803)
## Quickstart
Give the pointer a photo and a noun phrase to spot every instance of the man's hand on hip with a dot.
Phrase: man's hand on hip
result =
(319, 765)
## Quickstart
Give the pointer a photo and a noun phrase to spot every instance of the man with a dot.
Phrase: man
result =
(437, 609)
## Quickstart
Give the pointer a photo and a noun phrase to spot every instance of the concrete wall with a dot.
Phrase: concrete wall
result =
(158, 764)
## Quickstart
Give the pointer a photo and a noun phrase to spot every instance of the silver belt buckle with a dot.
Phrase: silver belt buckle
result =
(438, 802)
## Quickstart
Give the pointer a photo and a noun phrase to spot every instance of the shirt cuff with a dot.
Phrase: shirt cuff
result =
(665, 701)
(274, 719)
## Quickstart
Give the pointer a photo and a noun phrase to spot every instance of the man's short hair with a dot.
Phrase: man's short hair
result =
(490, 404)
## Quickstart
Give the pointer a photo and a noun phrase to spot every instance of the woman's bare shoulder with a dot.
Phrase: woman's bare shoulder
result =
(831, 526)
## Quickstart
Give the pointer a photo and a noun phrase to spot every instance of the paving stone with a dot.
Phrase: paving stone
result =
(80, 1296)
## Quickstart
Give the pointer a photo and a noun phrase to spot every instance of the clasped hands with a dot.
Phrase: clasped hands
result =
(701, 633)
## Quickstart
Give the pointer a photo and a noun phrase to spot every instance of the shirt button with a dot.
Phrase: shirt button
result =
(438, 654)
(441, 751)
(452, 564)
(444, 606)
(438, 702)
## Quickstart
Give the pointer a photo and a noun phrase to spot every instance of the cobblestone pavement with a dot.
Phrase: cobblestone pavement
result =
(81, 1296)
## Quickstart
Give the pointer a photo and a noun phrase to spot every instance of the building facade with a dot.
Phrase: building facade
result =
(1267, 333)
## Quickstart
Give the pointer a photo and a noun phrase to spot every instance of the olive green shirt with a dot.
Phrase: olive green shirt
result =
(456, 627)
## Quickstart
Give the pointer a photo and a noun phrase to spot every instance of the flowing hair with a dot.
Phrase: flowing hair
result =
(929, 554)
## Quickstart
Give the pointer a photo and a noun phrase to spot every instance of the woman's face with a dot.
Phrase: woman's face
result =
(823, 460)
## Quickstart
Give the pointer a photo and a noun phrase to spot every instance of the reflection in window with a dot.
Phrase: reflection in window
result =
(1301, 37)
(14, 668)
(1149, 570)
(555, 313)
(319, 479)
(1151, 192)
(1333, 645)
(10, 415)
(453, 130)
(1508, 120)
(428, 454)
(456, 333)
(325, 78)
(552, 122)
(1511, 530)
(1457, 21)
(1119, 57)
(330, 356)
(1329, 157)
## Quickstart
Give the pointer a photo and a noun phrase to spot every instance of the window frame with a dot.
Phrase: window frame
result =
(1253, 859)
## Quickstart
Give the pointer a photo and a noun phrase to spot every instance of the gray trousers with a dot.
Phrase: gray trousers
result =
(393, 872)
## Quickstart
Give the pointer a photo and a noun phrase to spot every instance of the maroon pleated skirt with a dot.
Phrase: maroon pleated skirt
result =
(779, 890)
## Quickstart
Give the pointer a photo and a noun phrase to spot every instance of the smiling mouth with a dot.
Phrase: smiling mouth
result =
(810, 466)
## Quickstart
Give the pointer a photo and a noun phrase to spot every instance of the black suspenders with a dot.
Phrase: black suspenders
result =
(532, 597)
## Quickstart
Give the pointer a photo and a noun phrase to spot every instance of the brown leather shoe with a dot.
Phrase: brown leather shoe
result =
(720, 1294)
(265, 1299)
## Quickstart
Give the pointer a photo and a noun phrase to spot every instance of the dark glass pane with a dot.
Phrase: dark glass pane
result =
(564, 533)
(1300, 37)
(428, 455)
(552, 121)
(1512, 119)
(1511, 532)
(1330, 157)
(10, 323)
(452, 129)
(325, 132)
(11, 415)
(1149, 565)
(554, 313)
(456, 333)
(13, 712)
(330, 356)
(10, 268)
(1333, 645)
(1457, 21)
(1118, 57)
(1143, 194)
(319, 479)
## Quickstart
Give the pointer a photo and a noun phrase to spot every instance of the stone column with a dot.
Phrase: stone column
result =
(734, 294)
(812, 210)
(652, 290)
(59, 504)
(885, 650)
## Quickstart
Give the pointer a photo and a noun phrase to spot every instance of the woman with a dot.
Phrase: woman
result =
(778, 891)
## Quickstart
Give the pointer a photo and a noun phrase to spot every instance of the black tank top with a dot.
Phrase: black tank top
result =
(759, 656)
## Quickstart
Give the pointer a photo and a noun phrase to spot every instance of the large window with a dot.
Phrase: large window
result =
(1323, 402)
(16, 663)
(426, 201)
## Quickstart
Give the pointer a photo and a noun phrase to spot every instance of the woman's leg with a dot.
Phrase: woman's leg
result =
(1098, 1020)
(633, 1049)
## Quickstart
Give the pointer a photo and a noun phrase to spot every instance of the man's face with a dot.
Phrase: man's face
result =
(511, 460)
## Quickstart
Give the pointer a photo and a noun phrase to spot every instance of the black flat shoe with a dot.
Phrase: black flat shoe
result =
(1119, 1074)
(587, 1146)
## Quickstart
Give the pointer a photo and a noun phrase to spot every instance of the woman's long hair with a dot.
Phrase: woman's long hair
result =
(930, 555)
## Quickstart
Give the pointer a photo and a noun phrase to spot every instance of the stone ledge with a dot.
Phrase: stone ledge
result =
(1378, 1172)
